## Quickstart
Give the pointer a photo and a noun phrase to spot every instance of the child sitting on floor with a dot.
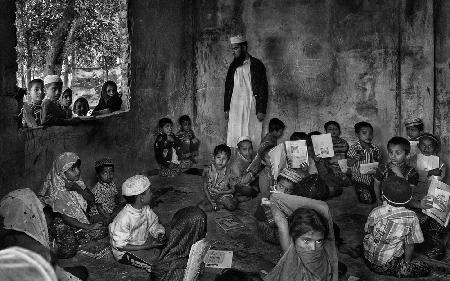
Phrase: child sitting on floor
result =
(414, 128)
(81, 107)
(135, 230)
(391, 232)
(435, 235)
(340, 147)
(65, 101)
(244, 179)
(105, 192)
(217, 182)
(32, 107)
(276, 131)
(363, 152)
(398, 151)
(52, 113)
(189, 143)
(167, 150)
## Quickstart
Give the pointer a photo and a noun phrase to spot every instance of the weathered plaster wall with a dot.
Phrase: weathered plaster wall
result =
(442, 72)
(11, 146)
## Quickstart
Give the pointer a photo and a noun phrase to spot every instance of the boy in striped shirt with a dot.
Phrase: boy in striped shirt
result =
(363, 152)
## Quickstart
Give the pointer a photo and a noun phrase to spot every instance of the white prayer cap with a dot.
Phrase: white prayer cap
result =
(52, 79)
(135, 185)
(237, 39)
(244, 138)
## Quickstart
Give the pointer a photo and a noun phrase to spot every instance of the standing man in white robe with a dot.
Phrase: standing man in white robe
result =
(246, 92)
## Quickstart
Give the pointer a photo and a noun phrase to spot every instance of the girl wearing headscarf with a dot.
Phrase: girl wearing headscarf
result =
(306, 238)
(27, 227)
(65, 192)
(187, 227)
(110, 99)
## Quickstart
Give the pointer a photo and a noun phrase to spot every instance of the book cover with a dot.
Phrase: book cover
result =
(218, 259)
(229, 222)
(323, 145)
(369, 168)
(440, 192)
(297, 153)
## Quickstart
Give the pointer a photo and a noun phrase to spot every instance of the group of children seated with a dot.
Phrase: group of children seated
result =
(47, 105)
(66, 214)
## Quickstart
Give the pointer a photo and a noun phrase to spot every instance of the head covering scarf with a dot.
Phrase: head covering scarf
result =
(18, 264)
(291, 266)
(187, 227)
(22, 211)
(54, 191)
(107, 102)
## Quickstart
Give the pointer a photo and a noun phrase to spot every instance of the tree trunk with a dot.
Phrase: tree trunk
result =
(58, 42)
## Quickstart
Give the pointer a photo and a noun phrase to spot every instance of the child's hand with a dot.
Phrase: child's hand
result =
(215, 191)
(435, 172)
(161, 238)
(304, 167)
(95, 226)
(351, 162)
(72, 186)
(426, 202)
(396, 170)
(170, 138)
(215, 207)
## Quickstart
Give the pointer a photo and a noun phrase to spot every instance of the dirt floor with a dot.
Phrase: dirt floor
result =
(250, 252)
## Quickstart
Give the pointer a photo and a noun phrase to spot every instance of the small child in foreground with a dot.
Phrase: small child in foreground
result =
(391, 232)
(105, 191)
(136, 229)
(363, 152)
(32, 107)
(217, 182)
(398, 150)
(81, 107)
(189, 143)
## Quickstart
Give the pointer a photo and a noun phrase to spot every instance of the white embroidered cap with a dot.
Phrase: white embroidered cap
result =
(135, 185)
(237, 39)
(244, 138)
(52, 79)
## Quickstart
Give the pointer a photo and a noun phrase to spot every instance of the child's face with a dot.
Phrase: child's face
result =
(53, 91)
(427, 147)
(284, 185)
(365, 135)
(80, 109)
(167, 129)
(309, 242)
(246, 149)
(110, 90)
(37, 93)
(146, 197)
(220, 160)
(333, 130)
(186, 125)
(278, 134)
(73, 174)
(106, 174)
(413, 132)
(397, 154)
(66, 100)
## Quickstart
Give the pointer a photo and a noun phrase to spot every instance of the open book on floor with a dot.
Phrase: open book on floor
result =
(218, 259)
(441, 194)
(229, 222)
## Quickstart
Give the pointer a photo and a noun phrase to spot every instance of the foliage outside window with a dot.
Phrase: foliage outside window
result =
(84, 41)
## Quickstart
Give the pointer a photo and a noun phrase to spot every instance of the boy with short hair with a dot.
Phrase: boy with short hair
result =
(397, 165)
(52, 113)
(243, 179)
(414, 129)
(65, 102)
(217, 182)
(136, 228)
(276, 131)
(189, 143)
(81, 107)
(363, 152)
(391, 232)
(32, 107)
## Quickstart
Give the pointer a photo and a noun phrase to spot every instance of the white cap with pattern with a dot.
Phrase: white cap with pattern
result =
(135, 185)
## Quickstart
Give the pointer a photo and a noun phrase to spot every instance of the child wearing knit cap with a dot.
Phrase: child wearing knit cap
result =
(414, 128)
(391, 232)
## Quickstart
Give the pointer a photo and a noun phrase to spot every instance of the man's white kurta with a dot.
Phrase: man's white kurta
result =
(242, 119)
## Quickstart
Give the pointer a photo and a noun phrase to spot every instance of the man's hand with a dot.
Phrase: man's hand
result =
(227, 115)
(260, 116)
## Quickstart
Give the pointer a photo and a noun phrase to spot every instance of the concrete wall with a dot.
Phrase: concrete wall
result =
(346, 60)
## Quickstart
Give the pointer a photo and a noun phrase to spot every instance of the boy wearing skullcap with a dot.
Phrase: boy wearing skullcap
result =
(244, 179)
(414, 128)
(105, 191)
(391, 232)
(136, 227)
